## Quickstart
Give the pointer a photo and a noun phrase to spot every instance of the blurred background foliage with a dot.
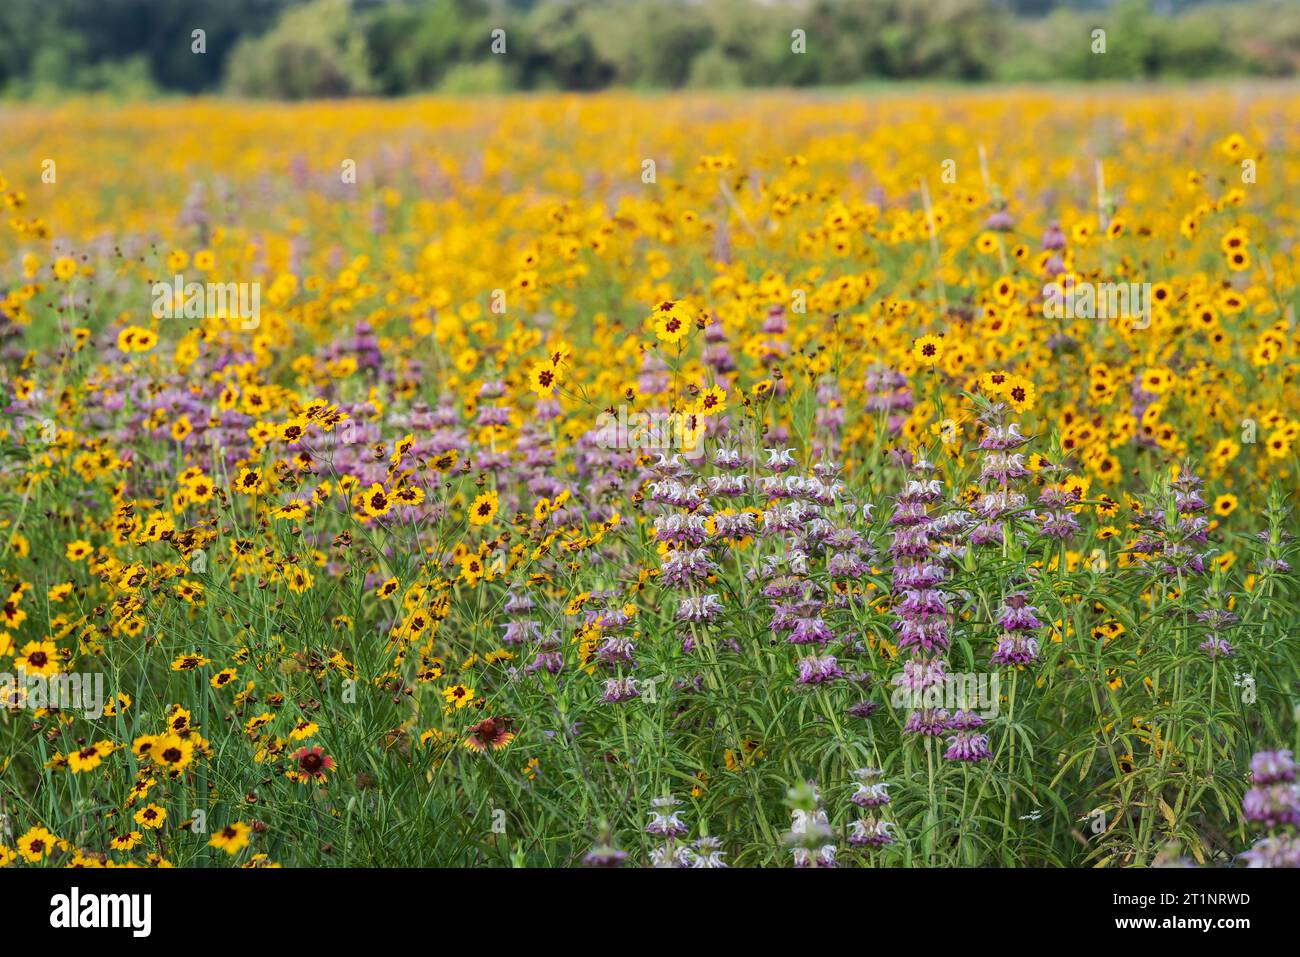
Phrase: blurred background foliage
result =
(309, 48)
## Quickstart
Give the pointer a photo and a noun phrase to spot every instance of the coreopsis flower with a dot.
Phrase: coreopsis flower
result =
(376, 501)
(928, 350)
(458, 696)
(38, 659)
(151, 816)
(37, 844)
(232, 838)
(484, 508)
(90, 757)
(171, 752)
(672, 321)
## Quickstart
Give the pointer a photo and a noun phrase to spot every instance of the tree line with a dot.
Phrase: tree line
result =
(295, 49)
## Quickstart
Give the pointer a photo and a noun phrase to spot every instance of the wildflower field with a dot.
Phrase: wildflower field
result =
(659, 480)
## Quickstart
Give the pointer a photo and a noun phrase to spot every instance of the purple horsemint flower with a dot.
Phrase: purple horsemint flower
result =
(1015, 649)
(671, 854)
(870, 832)
(664, 821)
(774, 322)
(1217, 618)
(999, 437)
(518, 603)
(673, 493)
(923, 604)
(788, 518)
(928, 634)
(921, 490)
(927, 721)
(1000, 221)
(1053, 238)
(548, 659)
(995, 504)
(922, 575)
(965, 721)
(699, 608)
(604, 855)
(707, 852)
(1273, 805)
(611, 619)
(780, 460)
(1055, 498)
(681, 530)
(1017, 614)
(519, 631)
(1217, 648)
(922, 612)
(1059, 526)
(888, 391)
(826, 470)
(825, 856)
(1272, 767)
(818, 670)
(845, 565)
(731, 525)
(1273, 801)
(731, 486)
(729, 459)
(685, 567)
(863, 709)
(845, 539)
(617, 650)
(718, 357)
(670, 467)
(870, 790)
(194, 212)
(1001, 468)
(810, 837)
(783, 586)
(809, 630)
(918, 674)
(1279, 851)
(966, 746)
(620, 689)
(830, 412)
(910, 543)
